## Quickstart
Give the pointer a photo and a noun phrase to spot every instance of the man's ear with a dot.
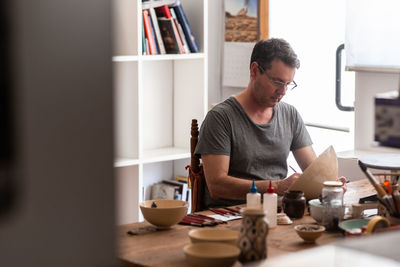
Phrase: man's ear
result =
(254, 69)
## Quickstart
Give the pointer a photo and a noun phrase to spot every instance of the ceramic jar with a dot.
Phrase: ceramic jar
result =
(252, 236)
(332, 202)
(294, 204)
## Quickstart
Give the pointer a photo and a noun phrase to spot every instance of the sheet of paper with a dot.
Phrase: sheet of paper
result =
(324, 168)
(225, 217)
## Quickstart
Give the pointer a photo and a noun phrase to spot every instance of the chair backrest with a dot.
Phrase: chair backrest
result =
(196, 174)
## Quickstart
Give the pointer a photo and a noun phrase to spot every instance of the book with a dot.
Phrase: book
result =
(182, 188)
(154, 35)
(162, 191)
(180, 31)
(169, 35)
(181, 16)
(181, 179)
(157, 31)
(148, 34)
(164, 10)
(143, 40)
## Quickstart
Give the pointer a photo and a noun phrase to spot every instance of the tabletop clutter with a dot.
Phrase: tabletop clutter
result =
(324, 201)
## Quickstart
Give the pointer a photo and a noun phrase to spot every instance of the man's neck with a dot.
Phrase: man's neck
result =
(259, 114)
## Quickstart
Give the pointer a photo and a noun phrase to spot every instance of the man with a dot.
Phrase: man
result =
(249, 136)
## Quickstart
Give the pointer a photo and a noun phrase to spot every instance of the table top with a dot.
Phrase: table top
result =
(382, 161)
(165, 247)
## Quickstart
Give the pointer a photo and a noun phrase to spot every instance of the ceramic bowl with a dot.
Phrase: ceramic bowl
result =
(214, 235)
(164, 213)
(316, 209)
(353, 226)
(211, 254)
(309, 232)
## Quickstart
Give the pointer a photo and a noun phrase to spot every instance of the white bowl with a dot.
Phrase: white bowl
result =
(211, 254)
(214, 235)
(316, 209)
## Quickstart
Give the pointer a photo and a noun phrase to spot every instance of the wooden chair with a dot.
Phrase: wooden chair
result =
(196, 175)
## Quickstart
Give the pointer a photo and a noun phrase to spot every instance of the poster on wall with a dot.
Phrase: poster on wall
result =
(246, 22)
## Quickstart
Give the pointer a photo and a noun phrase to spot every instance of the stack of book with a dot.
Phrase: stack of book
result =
(166, 29)
(170, 189)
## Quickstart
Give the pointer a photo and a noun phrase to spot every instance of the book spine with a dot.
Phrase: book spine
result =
(157, 31)
(168, 34)
(165, 11)
(180, 31)
(180, 14)
(148, 34)
(143, 39)
(178, 39)
(157, 51)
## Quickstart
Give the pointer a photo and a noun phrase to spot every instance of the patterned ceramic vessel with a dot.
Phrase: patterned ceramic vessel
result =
(252, 236)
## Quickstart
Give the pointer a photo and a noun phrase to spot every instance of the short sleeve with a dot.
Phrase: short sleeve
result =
(215, 135)
(301, 137)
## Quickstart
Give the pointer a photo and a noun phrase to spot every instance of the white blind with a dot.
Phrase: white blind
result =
(373, 34)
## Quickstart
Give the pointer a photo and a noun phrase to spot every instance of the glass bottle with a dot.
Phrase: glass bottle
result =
(333, 208)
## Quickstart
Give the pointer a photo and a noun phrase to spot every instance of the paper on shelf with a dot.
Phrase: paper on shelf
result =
(324, 168)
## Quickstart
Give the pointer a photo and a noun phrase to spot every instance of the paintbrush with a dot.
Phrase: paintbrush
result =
(379, 189)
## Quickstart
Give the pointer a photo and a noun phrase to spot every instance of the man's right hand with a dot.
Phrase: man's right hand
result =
(284, 184)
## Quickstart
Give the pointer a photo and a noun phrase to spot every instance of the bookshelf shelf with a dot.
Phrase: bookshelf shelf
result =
(156, 97)
(128, 58)
(165, 154)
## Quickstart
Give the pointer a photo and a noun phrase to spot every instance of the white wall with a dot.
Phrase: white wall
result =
(216, 19)
(62, 83)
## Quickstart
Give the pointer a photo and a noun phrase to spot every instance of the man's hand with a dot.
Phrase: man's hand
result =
(284, 184)
(344, 181)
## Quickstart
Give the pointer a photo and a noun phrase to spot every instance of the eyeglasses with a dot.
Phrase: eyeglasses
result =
(278, 84)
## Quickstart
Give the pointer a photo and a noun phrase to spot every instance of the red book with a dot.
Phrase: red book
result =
(148, 33)
(165, 11)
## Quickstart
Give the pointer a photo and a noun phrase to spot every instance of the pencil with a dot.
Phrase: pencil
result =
(292, 168)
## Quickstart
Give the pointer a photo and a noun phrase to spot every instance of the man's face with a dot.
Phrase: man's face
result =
(270, 85)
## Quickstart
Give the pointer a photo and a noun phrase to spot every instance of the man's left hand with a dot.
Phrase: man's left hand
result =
(344, 182)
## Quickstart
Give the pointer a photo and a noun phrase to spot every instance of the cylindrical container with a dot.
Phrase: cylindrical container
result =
(333, 208)
(270, 205)
(294, 204)
(252, 236)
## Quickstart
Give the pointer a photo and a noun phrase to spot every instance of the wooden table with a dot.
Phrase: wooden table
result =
(165, 247)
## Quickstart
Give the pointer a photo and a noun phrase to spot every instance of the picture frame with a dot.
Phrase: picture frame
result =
(246, 20)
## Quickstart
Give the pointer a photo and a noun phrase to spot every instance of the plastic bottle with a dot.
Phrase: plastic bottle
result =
(253, 198)
(270, 205)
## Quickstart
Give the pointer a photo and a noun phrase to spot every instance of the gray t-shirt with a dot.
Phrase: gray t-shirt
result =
(257, 151)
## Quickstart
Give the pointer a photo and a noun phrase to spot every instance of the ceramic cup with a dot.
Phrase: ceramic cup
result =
(252, 236)
(294, 204)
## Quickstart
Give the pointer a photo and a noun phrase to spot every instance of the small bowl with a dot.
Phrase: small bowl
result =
(309, 232)
(353, 226)
(214, 235)
(211, 254)
(164, 213)
(316, 209)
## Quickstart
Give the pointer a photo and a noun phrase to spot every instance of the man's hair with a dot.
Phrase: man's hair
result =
(266, 51)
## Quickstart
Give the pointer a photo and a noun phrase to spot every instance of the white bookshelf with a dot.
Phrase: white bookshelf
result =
(156, 97)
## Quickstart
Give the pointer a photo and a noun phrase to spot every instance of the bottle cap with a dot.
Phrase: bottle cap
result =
(270, 189)
(253, 188)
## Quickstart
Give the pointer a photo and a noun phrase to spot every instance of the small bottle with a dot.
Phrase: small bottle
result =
(253, 198)
(270, 205)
